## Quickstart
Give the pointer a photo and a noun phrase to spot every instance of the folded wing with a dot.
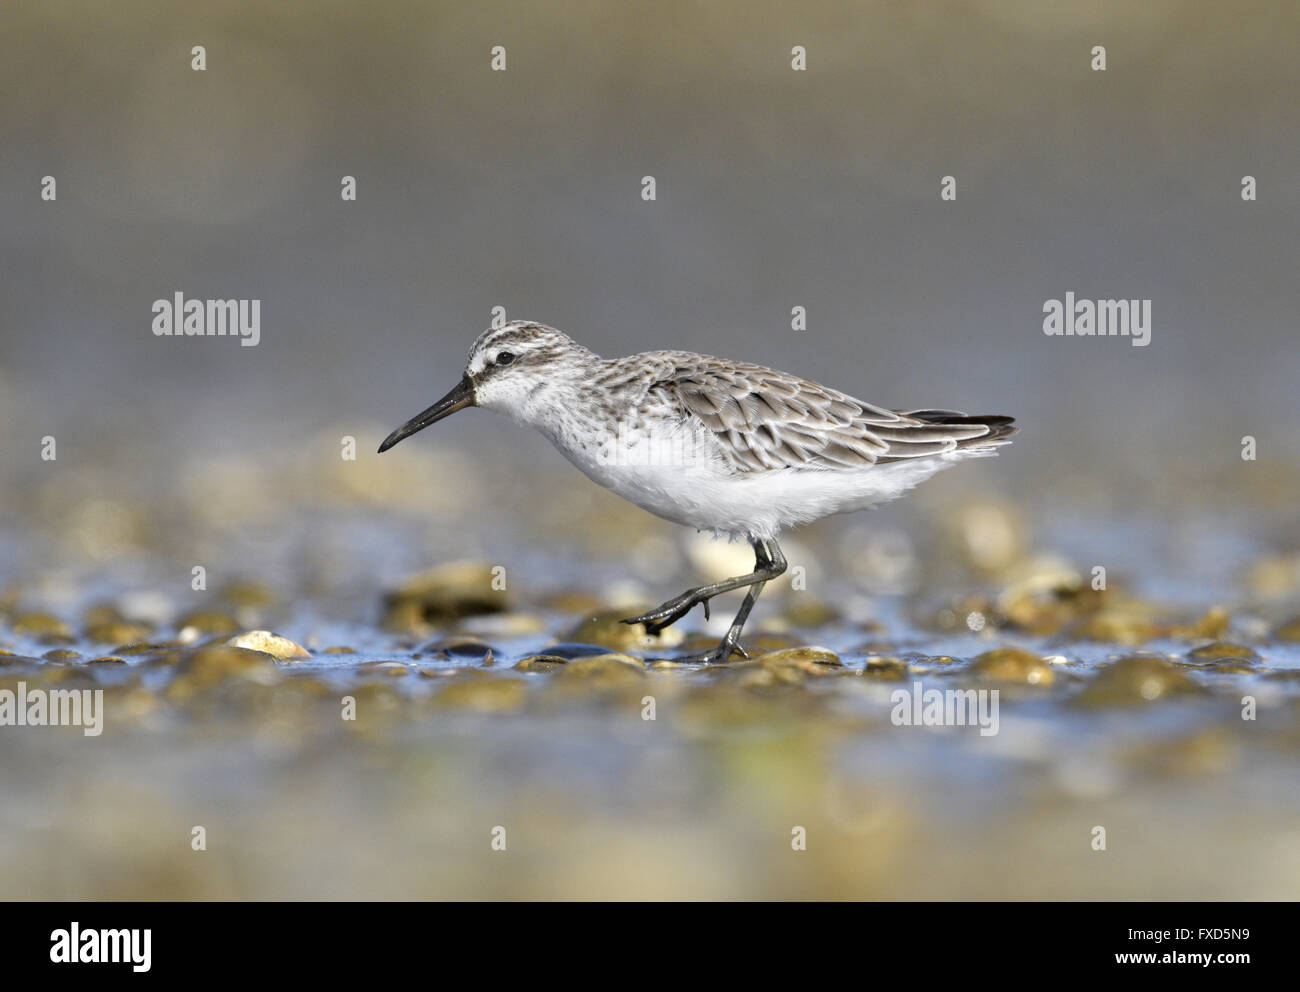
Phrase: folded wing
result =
(765, 420)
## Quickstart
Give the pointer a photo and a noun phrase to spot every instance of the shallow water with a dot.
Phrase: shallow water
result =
(739, 761)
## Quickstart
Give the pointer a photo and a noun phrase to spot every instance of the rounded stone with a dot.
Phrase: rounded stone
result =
(885, 669)
(810, 660)
(160, 647)
(447, 592)
(1221, 651)
(604, 669)
(1213, 624)
(213, 665)
(1013, 665)
(1127, 624)
(608, 631)
(269, 643)
(39, 625)
(1136, 679)
(117, 631)
(763, 642)
(464, 648)
(541, 663)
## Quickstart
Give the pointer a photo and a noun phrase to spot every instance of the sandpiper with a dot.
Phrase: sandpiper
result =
(736, 449)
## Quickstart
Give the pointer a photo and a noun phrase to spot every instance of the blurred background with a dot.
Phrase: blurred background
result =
(776, 189)
(522, 189)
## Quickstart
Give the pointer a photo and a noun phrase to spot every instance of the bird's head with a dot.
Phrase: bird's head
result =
(508, 367)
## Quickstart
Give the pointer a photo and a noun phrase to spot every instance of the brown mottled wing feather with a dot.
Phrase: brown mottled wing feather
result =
(766, 419)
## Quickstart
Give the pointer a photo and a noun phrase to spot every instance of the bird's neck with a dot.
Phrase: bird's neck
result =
(567, 407)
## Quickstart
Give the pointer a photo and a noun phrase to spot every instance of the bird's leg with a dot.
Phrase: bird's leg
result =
(729, 644)
(773, 562)
(667, 614)
(768, 564)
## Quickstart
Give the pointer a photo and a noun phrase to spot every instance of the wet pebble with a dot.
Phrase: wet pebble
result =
(885, 669)
(448, 592)
(1123, 623)
(1221, 651)
(790, 666)
(1048, 598)
(541, 663)
(607, 630)
(269, 643)
(1136, 679)
(603, 669)
(209, 666)
(107, 626)
(1013, 665)
(810, 660)
(43, 626)
(1213, 624)
(154, 648)
(461, 648)
(117, 631)
(762, 642)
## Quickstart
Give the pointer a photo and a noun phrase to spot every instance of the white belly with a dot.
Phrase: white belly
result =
(706, 494)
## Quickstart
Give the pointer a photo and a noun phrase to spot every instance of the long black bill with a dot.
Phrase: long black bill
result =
(459, 398)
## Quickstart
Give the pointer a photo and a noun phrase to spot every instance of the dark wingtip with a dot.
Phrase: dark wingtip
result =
(1000, 429)
(1000, 426)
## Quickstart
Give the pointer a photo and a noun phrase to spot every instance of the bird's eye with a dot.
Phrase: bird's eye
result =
(505, 358)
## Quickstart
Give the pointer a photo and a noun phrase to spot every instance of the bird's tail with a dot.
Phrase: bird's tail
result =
(1000, 428)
